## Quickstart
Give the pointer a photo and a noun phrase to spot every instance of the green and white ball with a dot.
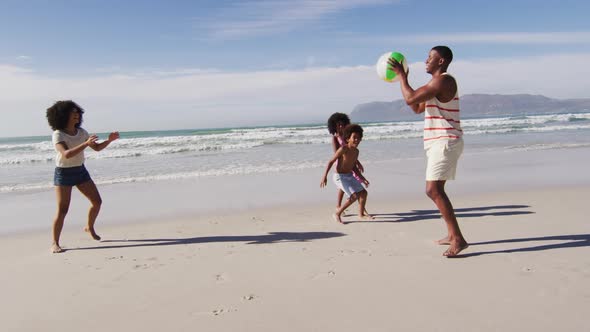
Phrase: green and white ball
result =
(384, 72)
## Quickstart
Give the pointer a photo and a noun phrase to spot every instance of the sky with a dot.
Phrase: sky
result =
(156, 65)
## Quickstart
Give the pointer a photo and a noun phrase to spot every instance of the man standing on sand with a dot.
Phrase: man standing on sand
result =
(443, 137)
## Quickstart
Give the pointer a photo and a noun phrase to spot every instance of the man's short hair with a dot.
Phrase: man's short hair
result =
(353, 128)
(444, 53)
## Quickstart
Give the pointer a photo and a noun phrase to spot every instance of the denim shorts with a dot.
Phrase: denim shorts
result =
(70, 176)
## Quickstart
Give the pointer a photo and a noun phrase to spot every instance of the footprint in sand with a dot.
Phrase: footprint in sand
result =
(249, 297)
(218, 312)
(346, 252)
(222, 277)
(329, 274)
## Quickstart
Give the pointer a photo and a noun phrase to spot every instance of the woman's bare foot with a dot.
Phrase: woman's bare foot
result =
(337, 218)
(92, 233)
(455, 249)
(55, 248)
(444, 241)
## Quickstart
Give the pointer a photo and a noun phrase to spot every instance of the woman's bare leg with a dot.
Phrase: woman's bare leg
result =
(89, 190)
(63, 195)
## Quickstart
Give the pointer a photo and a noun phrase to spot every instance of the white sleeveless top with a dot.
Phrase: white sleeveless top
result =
(442, 121)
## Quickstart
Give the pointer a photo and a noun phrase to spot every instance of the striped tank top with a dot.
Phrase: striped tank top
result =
(442, 121)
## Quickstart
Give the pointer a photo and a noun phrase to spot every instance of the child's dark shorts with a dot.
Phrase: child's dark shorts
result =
(70, 176)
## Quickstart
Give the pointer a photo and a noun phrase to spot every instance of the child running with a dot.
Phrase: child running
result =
(346, 157)
(336, 124)
(70, 140)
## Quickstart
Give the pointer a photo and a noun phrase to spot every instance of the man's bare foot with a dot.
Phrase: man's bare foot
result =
(367, 217)
(444, 241)
(92, 233)
(337, 218)
(55, 248)
(455, 249)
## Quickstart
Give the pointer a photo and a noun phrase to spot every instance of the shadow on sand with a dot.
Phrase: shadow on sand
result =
(474, 212)
(565, 241)
(273, 237)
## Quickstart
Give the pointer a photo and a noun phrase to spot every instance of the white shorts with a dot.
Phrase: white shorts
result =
(442, 158)
(347, 183)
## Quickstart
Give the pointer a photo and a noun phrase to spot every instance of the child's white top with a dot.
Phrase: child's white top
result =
(71, 141)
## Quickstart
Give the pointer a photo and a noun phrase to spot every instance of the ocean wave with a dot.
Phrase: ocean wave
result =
(35, 187)
(25, 160)
(547, 146)
(39, 146)
(515, 129)
(141, 144)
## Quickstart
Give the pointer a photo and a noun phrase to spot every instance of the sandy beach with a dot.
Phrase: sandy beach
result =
(207, 128)
(260, 253)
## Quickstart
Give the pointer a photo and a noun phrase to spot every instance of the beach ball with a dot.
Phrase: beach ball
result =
(387, 74)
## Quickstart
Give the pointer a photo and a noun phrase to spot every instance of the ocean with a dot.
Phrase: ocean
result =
(27, 163)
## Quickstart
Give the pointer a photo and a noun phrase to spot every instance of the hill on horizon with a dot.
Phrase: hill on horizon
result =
(473, 106)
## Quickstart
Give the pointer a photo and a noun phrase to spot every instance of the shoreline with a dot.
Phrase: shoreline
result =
(393, 180)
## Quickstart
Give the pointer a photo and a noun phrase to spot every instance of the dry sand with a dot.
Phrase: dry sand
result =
(291, 268)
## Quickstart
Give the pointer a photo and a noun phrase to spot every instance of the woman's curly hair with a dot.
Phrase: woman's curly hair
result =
(59, 114)
(334, 119)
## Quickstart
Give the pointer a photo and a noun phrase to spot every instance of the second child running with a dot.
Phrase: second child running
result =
(346, 157)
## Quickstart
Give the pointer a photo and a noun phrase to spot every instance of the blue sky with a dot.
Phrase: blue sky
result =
(132, 64)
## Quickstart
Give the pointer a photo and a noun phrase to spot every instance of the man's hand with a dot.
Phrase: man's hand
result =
(397, 67)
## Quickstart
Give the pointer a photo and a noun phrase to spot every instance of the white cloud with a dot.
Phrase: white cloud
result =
(201, 98)
(252, 18)
(557, 75)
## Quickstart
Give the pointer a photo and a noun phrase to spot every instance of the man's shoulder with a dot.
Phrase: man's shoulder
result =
(449, 78)
(444, 78)
(448, 85)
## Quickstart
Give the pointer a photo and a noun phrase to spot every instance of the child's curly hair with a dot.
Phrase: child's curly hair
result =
(59, 114)
(334, 119)
(353, 128)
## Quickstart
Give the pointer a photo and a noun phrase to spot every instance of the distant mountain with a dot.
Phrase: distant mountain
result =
(473, 106)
